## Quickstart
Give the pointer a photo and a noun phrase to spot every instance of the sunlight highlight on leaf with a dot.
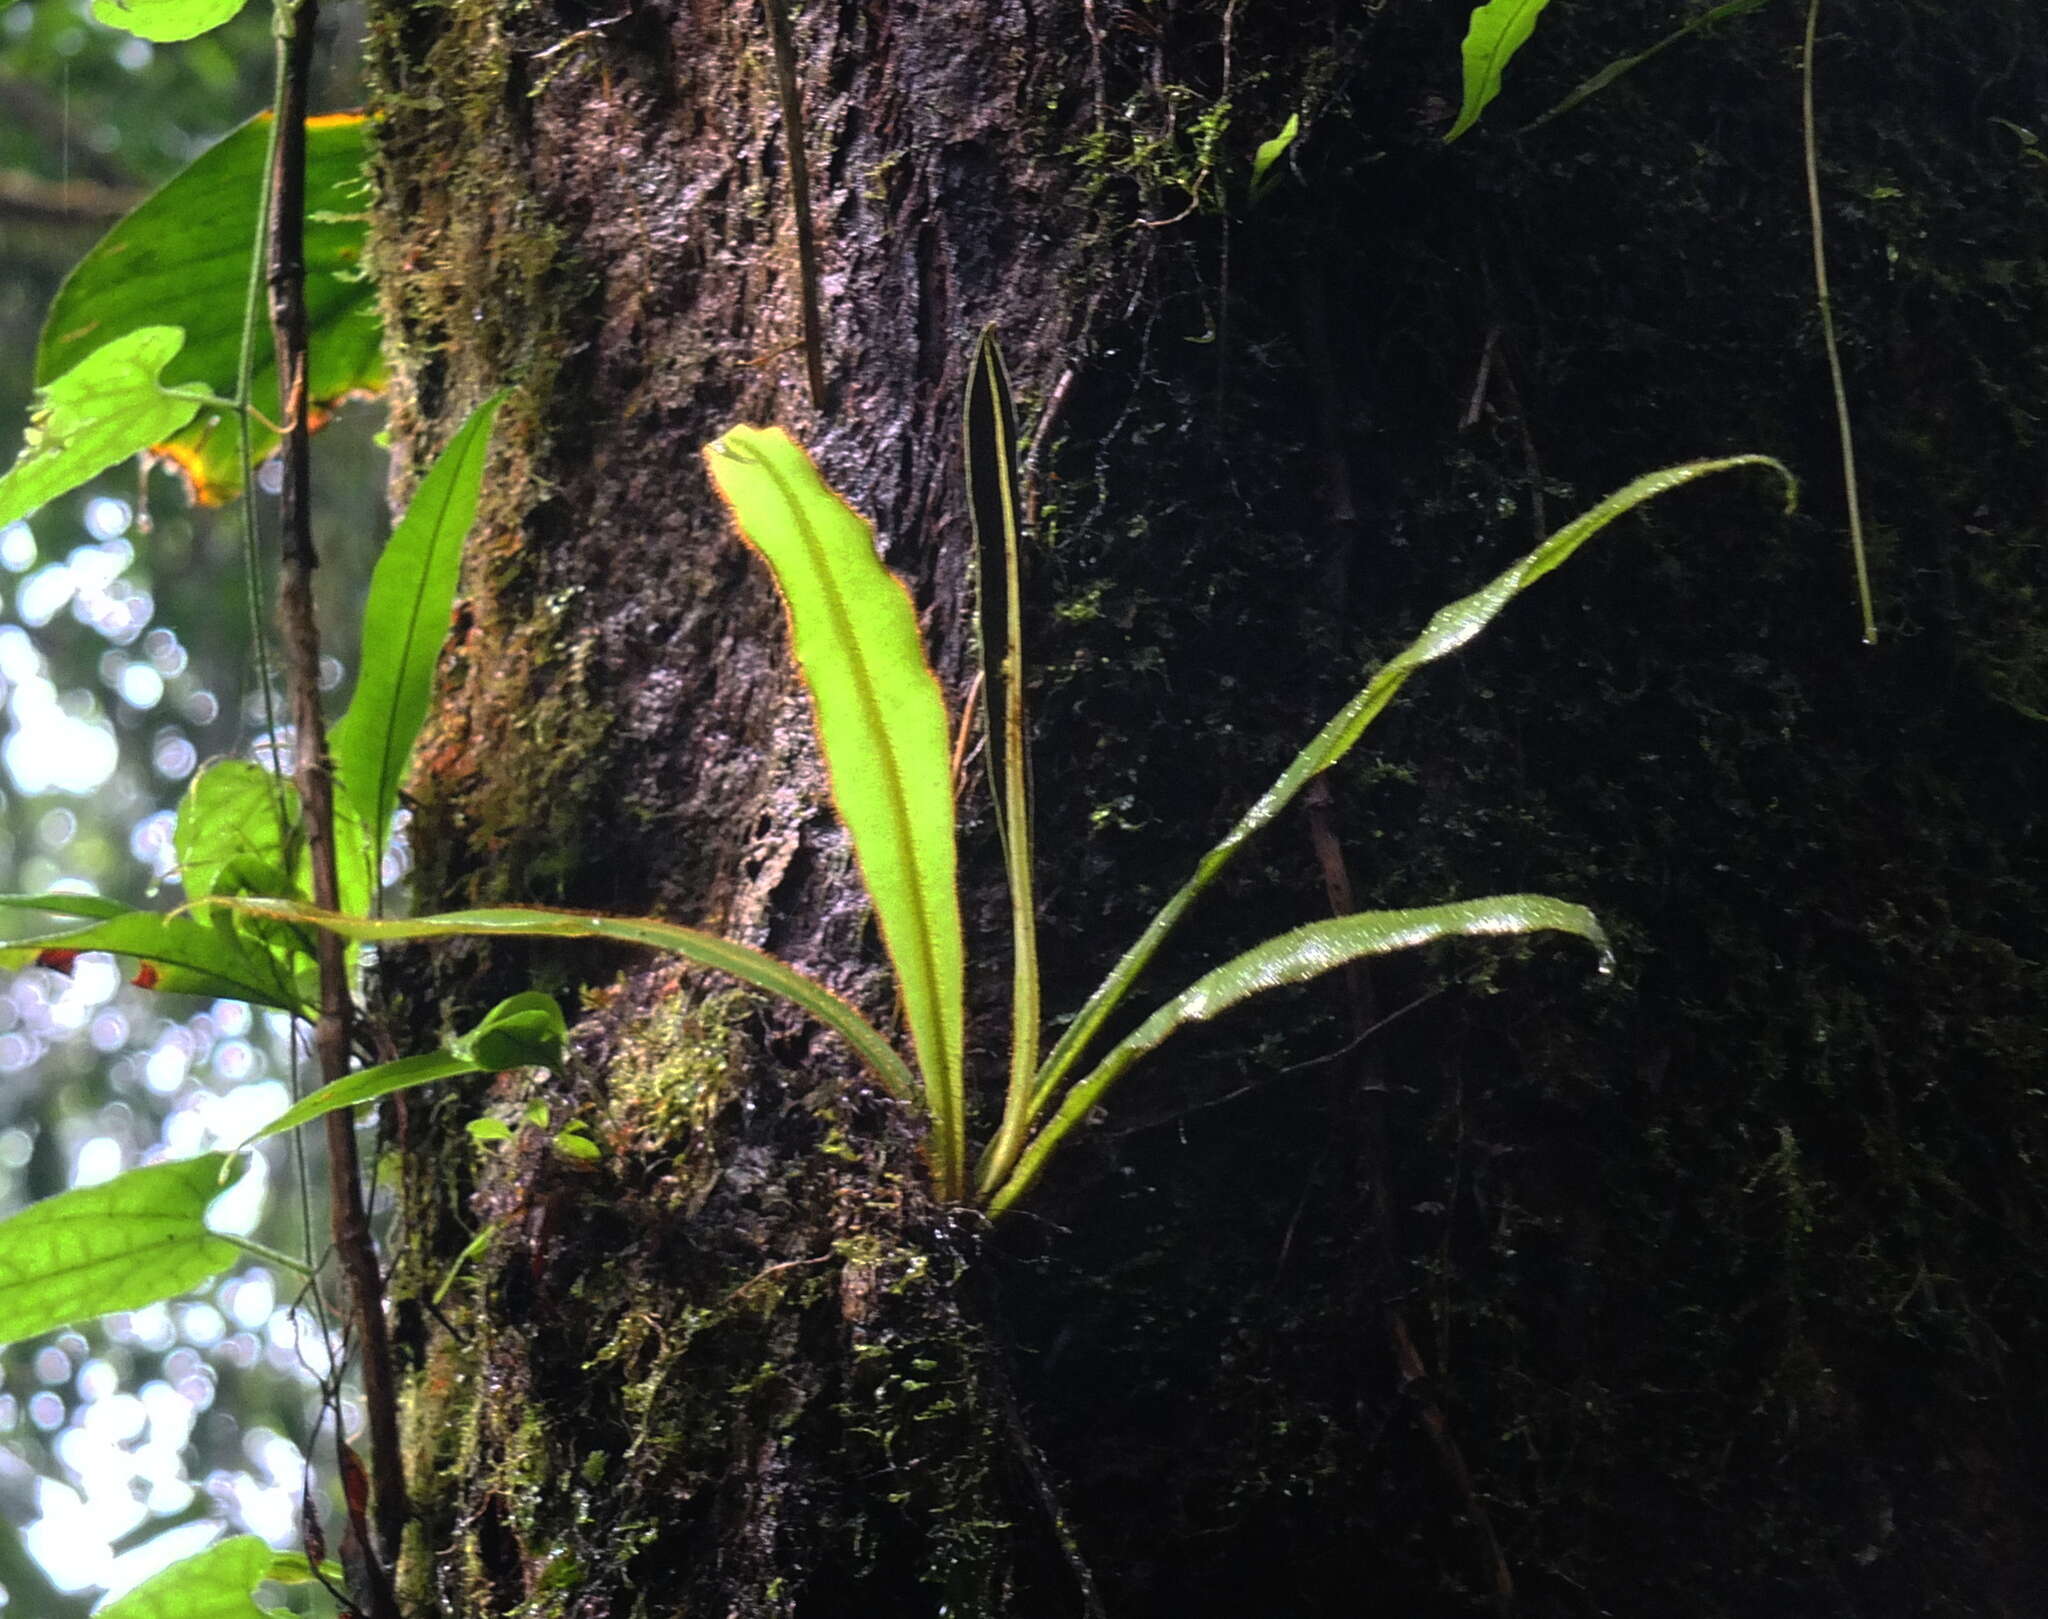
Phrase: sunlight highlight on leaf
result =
(182, 258)
(218, 1583)
(1497, 31)
(881, 725)
(109, 406)
(405, 624)
(1294, 958)
(127, 1242)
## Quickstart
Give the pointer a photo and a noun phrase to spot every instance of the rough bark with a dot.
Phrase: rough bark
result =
(1725, 1278)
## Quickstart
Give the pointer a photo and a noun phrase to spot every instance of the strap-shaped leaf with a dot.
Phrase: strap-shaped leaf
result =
(1628, 64)
(182, 258)
(1449, 630)
(125, 1243)
(366, 1086)
(1293, 958)
(523, 1031)
(740, 961)
(989, 438)
(218, 1583)
(404, 625)
(881, 726)
(212, 953)
(106, 408)
(1498, 29)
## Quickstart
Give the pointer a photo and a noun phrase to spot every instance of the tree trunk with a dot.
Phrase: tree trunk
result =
(1713, 1290)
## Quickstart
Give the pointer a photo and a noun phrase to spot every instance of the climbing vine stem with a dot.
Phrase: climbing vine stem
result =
(300, 639)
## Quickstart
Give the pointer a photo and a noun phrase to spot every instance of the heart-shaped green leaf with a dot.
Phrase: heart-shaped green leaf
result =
(524, 1031)
(182, 258)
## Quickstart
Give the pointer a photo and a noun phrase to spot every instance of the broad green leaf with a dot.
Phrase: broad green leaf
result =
(404, 625)
(989, 442)
(193, 953)
(218, 1583)
(741, 961)
(882, 728)
(1449, 630)
(1615, 69)
(238, 833)
(235, 811)
(525, 1031)
(182, 258)
(165, 20)
(125, 1243)
(1270, 152)
(1293, 958)
(107, 407)
(1498, 29)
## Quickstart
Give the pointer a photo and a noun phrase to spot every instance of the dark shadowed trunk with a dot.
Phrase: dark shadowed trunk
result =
(1714, 1289)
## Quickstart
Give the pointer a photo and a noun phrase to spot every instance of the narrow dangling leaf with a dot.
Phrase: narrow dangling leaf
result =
(1446, 632)
(181, 258)
(989, 434)
(741, 961)
(881, 726)
(1497, 31)
(405, 624)
(125, 1243)
(109, 406)
(1628, 64)
(218, 1583)
(1294, 958)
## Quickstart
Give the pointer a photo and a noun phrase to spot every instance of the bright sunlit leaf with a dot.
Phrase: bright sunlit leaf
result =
(212, 952)
(127, 1242)
(1270, 152)
(404, 625)
(165, 20)
(182, 258)
(110, 405)
(1498, 30)
(881, 725)
(218, 1583)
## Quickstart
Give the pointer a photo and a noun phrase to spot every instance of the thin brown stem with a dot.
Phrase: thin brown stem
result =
(300, 636)
(1811, 142)
(784, 48)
